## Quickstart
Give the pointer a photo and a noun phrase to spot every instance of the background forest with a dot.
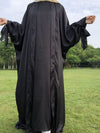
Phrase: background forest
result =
(76, 56)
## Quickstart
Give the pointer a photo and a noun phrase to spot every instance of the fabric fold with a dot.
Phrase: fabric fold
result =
(4, 35)
(72, 34)
(84, 33)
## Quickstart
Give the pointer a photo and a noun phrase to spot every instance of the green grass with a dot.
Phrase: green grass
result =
(82, 96)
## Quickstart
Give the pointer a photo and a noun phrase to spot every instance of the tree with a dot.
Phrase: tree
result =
(89, 57)
(7, 55)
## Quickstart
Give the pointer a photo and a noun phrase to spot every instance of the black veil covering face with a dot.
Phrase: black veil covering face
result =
(41, 42)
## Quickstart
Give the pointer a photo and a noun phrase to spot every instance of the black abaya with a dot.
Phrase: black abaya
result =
(42, 41)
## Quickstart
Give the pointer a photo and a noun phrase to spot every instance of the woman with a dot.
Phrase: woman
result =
(41, 42)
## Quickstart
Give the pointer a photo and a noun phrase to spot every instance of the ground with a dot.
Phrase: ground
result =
(82, 98)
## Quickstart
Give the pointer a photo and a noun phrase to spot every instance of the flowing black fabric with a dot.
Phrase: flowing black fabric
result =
(42, 41)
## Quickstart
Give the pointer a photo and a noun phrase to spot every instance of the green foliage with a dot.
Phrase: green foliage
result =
(90, 57)
(73, 59)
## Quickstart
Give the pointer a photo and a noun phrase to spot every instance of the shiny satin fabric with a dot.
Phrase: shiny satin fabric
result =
(42, 41)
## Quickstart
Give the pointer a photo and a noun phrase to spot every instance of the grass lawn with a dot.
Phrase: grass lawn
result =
(82, 96)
